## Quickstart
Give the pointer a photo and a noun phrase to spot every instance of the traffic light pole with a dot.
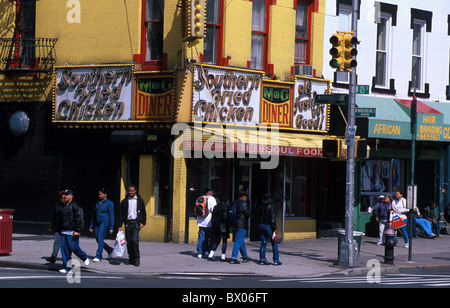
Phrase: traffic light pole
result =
(349, 256)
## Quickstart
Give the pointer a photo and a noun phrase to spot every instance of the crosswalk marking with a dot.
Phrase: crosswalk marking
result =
(388, 279)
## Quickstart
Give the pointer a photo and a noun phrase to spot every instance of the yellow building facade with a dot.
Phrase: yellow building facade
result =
(106, 34)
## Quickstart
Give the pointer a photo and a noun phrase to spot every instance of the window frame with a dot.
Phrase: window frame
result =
(265, 36)
(386, 51)
(307, 40)
(419, 84)
(151, 64)
(218, 53)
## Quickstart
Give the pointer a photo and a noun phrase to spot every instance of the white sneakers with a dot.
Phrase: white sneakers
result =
(69, 270)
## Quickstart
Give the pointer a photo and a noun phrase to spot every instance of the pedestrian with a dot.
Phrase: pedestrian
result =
(267, 227)
(55, 228)
(430, 215)
(134, 217)
(220, 227)
(102, 221)
(399, 208)
(382, 216)
(243, 213)
(204, 224)
(71, 224)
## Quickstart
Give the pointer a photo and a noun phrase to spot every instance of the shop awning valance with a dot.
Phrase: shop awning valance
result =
(253, 140)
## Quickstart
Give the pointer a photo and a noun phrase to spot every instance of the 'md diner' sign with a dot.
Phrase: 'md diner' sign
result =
(155, 97)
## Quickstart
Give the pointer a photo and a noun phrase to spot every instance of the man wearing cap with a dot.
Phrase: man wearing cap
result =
(71, 224)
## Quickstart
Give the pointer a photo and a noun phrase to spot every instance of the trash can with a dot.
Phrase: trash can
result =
(357, 236)
(6, 222)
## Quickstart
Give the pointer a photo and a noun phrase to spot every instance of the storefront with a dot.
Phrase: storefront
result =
(389, 166)
(252, 134)
(175, 133)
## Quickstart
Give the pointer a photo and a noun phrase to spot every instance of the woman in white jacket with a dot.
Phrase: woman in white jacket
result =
(399, 208)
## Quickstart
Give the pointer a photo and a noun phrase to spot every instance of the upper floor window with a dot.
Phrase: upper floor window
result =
(301, 55)
(259, 34)
(212, 51)
(382, 50)
(153, 24)
(417, 54)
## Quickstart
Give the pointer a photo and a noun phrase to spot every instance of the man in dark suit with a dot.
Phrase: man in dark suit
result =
(134, 217)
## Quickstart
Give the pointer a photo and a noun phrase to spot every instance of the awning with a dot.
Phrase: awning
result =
(393, 119)
(253, 141)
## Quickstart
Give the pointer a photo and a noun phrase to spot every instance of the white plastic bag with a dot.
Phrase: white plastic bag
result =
(120, 244)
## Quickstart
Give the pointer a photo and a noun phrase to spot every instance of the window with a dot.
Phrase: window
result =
(153, 30)
(417, 54)
(380, 177)
(212, 42)
(301, 33)
(259, 34)
(382, 50)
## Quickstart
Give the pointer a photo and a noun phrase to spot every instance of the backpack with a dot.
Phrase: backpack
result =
(232, 214)
(201, 206)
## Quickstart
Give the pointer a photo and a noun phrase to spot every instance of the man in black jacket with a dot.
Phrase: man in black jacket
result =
(71, 224)
(134, 217)
(267, 227)
(243, 213)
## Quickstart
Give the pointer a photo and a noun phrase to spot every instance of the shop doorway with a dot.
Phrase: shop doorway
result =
(255, 182)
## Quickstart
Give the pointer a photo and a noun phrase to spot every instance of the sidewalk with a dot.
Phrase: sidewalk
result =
(300, 258)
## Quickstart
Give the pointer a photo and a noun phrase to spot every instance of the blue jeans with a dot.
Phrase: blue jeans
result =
(265, 232)
(69, 245)
(424, 224)
(239, 243)
(100, 231)
(203, 240)
(405, 231)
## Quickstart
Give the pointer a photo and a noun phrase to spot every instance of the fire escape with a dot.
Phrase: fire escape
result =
(23, 54)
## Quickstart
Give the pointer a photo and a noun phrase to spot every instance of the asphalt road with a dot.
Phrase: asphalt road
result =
(191, 284)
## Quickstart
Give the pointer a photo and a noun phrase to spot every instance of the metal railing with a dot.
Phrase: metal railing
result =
(27, 55)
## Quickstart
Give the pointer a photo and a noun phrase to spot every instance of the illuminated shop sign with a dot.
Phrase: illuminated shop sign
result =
(307, 115)
(226, 96)
(155, 97)
(276, 104)
(93, 93)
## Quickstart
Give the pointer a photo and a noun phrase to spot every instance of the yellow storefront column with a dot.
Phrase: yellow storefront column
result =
(179, 200)
(156, 228)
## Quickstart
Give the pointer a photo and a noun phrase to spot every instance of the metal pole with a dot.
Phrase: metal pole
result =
(350, 243)
(413, 159)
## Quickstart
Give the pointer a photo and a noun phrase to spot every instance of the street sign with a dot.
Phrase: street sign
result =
(333, 99)
(365, 112)
(362, 89)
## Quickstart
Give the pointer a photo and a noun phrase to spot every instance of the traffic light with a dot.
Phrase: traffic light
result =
(343, 51)
(331, 148)
(194, 25)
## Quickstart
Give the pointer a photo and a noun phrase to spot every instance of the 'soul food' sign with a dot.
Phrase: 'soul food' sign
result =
(93, 93)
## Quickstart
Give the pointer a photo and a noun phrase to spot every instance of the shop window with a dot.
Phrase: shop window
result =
(292, 185)
(206, 173)
(380, 177)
